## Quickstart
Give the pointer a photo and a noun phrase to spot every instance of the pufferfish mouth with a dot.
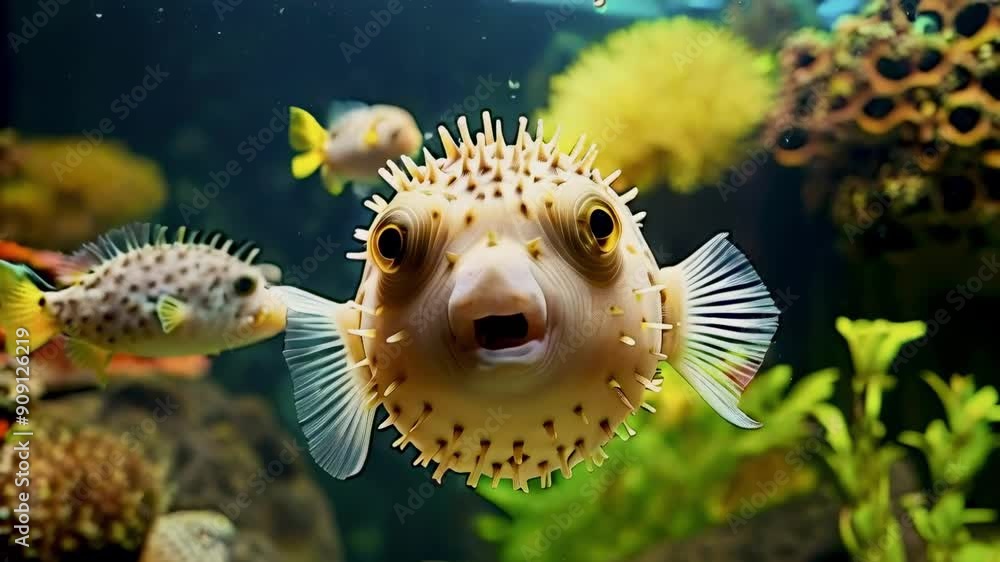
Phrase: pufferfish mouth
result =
(496, 332)
(497, 311)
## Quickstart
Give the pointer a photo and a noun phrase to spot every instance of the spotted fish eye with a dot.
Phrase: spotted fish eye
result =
(244, 285)
(389, 248)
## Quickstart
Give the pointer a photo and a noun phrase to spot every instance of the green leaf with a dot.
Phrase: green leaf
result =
(875, 343)
(946, 516)
(979, 516)
(978, 408)
(922, 523)
(913, 439)
(835, 426)
(492, 528)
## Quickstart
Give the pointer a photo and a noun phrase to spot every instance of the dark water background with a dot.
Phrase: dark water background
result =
(228, 78)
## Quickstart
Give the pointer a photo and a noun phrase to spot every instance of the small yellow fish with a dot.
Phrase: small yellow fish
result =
(359, 141)
(145, 296)
(511, 316)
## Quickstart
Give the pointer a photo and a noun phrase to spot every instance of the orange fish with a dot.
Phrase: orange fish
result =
(55, 264)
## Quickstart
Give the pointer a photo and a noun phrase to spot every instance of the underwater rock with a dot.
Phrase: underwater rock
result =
(59, 192)
(803, 530)
(225, 454)
(189, 536)
(668, 101)
(92, 495)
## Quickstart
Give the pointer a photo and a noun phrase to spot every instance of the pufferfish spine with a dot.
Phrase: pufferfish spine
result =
(510, 317)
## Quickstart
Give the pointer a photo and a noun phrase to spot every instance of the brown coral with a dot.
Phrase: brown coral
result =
(91, 495)
(226, 454)
(902, 104)
(60, 192)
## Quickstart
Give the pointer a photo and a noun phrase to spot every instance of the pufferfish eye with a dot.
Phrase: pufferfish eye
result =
(390, 246)
(602, 225)
(244, 285)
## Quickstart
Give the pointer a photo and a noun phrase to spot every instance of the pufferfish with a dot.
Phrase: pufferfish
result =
(510, 317)
(357, 142)
(140, 294)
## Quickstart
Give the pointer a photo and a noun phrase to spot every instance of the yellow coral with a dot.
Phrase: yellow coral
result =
(666, 101)
(90, 492)
(60, 192)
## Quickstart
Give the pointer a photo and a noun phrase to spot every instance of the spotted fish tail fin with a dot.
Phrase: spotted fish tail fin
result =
(723, 320)
(24, 315)
(306, 136)
(329, 375)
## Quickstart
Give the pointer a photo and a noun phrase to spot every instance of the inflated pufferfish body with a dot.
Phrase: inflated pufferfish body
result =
(511, 316)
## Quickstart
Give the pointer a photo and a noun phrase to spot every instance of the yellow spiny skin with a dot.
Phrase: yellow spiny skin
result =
(497, 230)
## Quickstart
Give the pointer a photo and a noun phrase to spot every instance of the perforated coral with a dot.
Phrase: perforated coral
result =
(900, 103)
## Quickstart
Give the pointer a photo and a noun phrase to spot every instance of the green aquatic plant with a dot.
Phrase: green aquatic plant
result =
(861, 458)
(684, 470)
(687, 470)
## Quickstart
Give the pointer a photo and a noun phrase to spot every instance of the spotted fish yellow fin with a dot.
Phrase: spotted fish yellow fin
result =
(22, 306)
(304, 131)
(307, 137)
(305, 164)
(332, 182)
(723, 320)
(171, 311)
(90, 357)
(329, 394)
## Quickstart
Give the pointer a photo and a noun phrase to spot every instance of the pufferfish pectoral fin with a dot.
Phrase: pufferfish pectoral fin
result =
(329, 396)
(724, 320)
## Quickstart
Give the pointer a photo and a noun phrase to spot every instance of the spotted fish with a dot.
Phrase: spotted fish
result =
(352, 148)
(141, 294)
(511, 317)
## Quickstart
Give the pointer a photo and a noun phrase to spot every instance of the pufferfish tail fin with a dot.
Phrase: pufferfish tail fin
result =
(306, 136)
(724, 320)
(330, 394)
(23, 311)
